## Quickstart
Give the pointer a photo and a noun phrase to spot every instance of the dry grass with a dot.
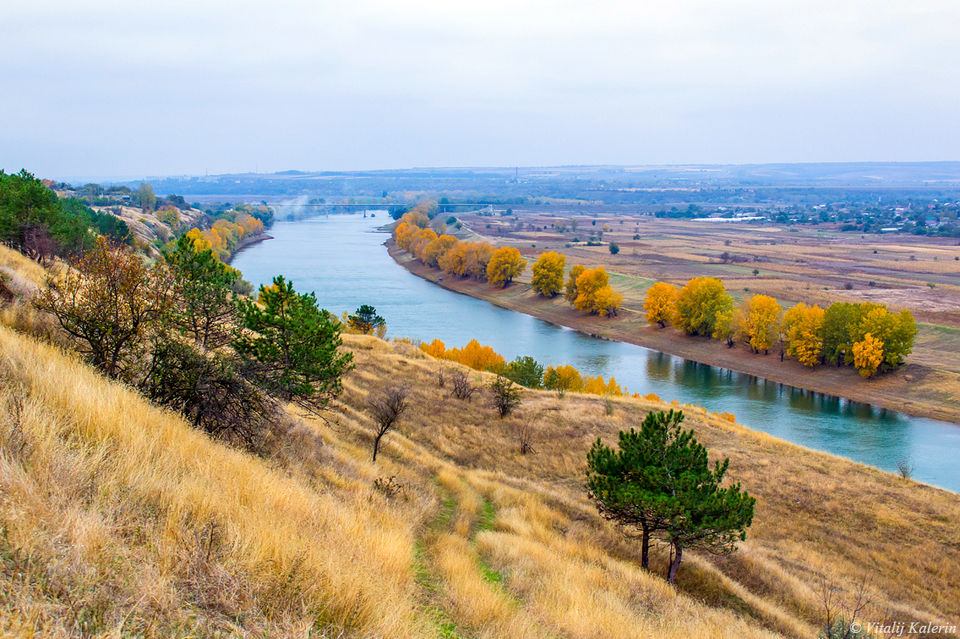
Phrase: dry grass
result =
(117, 519)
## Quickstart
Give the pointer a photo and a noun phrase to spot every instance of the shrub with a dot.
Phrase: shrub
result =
(506, 395)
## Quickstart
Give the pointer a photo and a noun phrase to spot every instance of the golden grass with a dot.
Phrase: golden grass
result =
(148, 527)
(118, 519)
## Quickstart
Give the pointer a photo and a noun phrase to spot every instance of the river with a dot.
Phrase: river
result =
(342, 259)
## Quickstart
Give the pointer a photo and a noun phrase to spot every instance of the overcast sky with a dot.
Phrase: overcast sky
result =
(124, 88)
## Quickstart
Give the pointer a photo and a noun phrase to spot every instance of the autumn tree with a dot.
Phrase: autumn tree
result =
(728, 325)
(436, 348)
(803, 331)
(762, 317)
(607, 302)
(109, 301)
(570, 289)
(505, 264)
(659, 303)
(454, 261)
(433, 251)
(895, 332)
(594, 294)
(419, 240)
(698, 304)
(476, 356)
(837, 319)
(562, 379)
(548, 273)
(291, 346)
(477, 258)
(868, 355)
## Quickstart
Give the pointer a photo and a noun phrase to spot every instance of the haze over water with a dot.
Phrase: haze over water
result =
(342, 259)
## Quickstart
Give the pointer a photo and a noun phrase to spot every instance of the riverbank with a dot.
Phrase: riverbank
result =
(247, 242)
(915, 389)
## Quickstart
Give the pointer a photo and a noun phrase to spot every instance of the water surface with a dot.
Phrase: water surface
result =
(342, 259)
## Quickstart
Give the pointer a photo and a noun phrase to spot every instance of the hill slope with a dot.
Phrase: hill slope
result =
(118, 519)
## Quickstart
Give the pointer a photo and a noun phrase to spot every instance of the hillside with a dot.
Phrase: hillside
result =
(118, 519)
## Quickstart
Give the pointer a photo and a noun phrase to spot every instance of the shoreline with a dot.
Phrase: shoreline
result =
(630, 327)
(246, 242)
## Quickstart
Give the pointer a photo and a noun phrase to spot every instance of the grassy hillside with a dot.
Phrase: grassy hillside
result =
(117, 519)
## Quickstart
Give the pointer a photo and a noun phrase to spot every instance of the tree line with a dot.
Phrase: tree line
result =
(865, 335)
(37, 223)
(587, 290)
(525, 370)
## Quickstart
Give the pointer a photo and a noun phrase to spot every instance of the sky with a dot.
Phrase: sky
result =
(137, 89)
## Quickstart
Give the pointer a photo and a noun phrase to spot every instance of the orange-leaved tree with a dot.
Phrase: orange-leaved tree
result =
(505, 264)
(437, 248)
(477, 259)
(454, 261)
(548, 273)
(659, 303)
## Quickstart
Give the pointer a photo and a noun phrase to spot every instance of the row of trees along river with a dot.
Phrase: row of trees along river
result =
(342, 259)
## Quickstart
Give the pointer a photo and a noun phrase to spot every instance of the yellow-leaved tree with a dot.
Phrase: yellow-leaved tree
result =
(454, 261)
(419, 241)
(803, 332)
(607, 302)
(505, 264)
(476, 259)
(659, 303)
(562, 379)
(570, 290)
(762, 317)
(867, 355)
(698, 305)
(436, 249)
(589, 284)
(548, 273)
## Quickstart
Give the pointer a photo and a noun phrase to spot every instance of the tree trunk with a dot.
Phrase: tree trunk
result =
(675, 563)
(376, 446)
(645, 548)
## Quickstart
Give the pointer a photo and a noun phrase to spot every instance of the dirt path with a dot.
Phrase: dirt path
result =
(918, 388)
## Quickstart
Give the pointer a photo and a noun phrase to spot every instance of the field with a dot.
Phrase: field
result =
(815, 265)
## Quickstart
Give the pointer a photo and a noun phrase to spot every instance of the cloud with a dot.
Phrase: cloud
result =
(179, 87)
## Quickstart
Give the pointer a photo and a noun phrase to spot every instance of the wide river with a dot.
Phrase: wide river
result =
(342, 259)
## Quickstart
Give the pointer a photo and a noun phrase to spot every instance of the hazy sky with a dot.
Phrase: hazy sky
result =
(125, 88)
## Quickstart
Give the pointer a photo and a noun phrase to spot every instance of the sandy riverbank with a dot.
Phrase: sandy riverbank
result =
(906, 389)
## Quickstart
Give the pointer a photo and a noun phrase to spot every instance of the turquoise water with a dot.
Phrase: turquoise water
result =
(342, 259)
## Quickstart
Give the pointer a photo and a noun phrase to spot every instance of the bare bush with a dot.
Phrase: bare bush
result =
(905, 468)
(389, 486)
(462, 388)
(525, 438)
(386, 409)
(441, 376)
